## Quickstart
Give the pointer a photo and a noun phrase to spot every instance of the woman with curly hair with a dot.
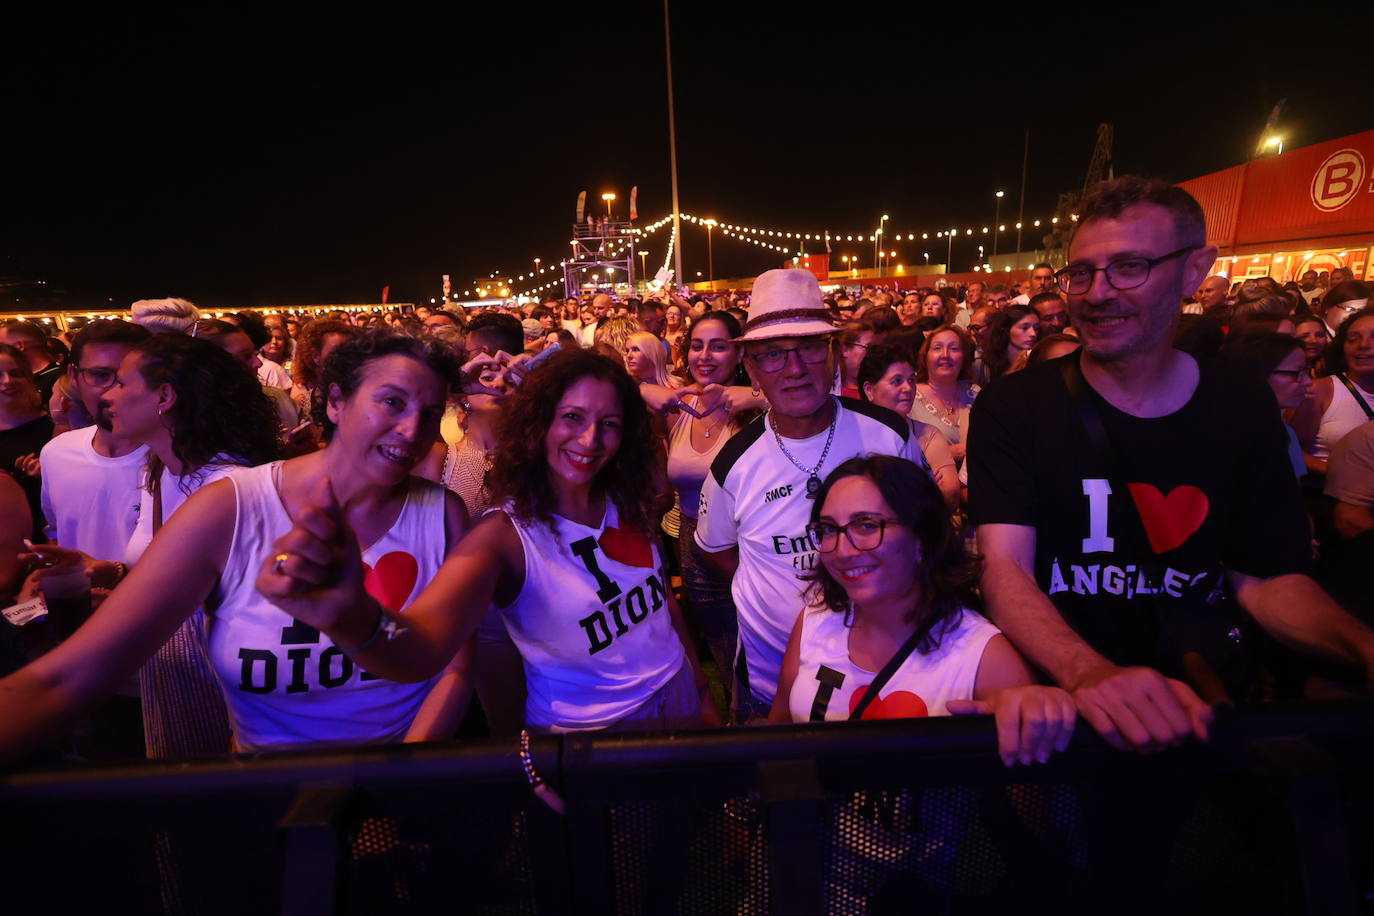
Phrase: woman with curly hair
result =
(286, 684)
(894, 595)
(314, 344)
(569, 560)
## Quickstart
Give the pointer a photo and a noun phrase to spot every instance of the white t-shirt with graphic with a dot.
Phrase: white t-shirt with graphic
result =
(591, 622)
(829, 685)
(756, 498)
(90, 501)
(286, 684)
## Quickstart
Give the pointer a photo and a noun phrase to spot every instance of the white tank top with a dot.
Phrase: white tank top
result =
(285, 683)
(591, 622)
(829, 685)
(1341, 417)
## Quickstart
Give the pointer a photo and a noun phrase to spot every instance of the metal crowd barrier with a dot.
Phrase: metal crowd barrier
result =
(1272, 815)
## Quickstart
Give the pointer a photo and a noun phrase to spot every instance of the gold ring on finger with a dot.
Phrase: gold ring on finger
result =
(279, 563)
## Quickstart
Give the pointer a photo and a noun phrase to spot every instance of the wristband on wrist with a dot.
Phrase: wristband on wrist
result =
(387, 629)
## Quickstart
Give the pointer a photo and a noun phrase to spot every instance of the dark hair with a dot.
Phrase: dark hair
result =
(884, 319)
(220, 408)
(1200, 336)
(1254, 322)
(522, 474)
(215, 330)
(876, 362)
(1335, 351)
(1042, 347)
(103, 331)
(498, 331)
(732, 330)
(995, 356)
(851, 331)
(305, 368)
(1044, 297)
(946, 575)
(346, 363)
(33, 334)
(446, 314)
(1344, 292)
(965, 342)
(537, 312)
(251, 323)
(1254, 356)
(1111, 198)
(565, 338)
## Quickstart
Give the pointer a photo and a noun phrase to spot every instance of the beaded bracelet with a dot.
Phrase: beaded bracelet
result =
(541, 789)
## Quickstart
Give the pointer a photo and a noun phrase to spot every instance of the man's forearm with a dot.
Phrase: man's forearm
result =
(1034, 625)
(1295, 610)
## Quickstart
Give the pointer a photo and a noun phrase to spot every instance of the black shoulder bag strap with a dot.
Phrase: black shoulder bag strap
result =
(1364, 405)
(879, 682)
(1200, 674)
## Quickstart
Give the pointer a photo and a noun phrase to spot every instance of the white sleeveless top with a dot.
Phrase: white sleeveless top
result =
(591, 622)
(1341, 417)
(285, 683)
(829, 682)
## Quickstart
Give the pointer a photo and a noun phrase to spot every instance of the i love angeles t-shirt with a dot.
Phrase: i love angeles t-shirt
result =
(1211, 484)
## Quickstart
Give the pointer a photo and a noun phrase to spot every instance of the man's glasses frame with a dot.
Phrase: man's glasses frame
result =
(1122, 274)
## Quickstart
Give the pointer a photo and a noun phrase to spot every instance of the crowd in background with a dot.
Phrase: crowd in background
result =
(433, 436)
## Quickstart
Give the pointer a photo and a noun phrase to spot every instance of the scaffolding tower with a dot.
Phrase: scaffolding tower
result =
(603, 258)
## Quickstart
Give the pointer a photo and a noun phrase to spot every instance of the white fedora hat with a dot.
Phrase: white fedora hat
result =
(786, 303)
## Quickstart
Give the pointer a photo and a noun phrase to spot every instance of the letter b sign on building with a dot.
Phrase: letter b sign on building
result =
(1338, 180)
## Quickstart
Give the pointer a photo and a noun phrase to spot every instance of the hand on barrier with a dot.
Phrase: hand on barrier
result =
(1139, 709)
(1032, 721)
(315, 570)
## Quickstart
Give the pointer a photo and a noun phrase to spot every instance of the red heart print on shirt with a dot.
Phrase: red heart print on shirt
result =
(627, 546)
(1169, 520)
(392, 580)
(899, 704)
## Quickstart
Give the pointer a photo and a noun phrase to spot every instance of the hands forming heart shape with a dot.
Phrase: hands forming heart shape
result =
(709, 398)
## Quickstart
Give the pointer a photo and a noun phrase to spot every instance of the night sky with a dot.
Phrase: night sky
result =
(253, 159)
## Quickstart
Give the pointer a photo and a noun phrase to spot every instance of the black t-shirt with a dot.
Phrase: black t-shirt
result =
(1211, 484)
(24, 439)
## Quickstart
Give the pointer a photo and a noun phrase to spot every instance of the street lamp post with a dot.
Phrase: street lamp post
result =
(949, 251)
(996, 219)
(644, 267)
(608, 197)
(710, 255)
(877, 242)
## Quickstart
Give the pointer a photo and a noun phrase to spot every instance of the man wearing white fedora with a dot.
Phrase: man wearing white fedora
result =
(756, 502)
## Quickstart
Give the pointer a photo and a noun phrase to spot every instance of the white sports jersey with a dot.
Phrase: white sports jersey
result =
(286, 683)
(756, 498)
(591, 622)
(829, 685)
(90, 501)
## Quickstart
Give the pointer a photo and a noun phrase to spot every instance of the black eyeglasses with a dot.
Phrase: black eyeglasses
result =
(1127, 273)
(864, 533)
(1292, 374)
(97, 377)
(811, 351)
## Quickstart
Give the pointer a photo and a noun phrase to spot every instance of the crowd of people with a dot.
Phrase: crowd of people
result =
(1056, 500)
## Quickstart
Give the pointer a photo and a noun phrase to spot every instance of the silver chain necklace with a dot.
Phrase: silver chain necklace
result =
(813, 482)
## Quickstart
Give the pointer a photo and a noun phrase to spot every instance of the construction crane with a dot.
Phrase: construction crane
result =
(1099, 168)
